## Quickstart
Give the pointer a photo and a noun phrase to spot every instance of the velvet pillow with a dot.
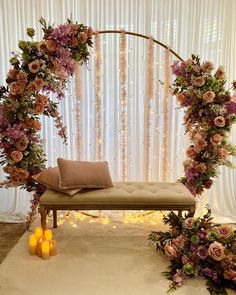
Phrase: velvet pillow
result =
(83, 174)
(50, 178)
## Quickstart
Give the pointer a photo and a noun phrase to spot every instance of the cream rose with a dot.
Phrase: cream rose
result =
(220, 73)
(219, 121)
(199, 81)
(216, 139)
(217, 251)
(34, 66)
(222, 153)
(224, 231)
(209, 96)
(16, 156)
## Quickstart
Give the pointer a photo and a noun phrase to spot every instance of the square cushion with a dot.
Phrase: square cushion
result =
(51, 178)
(83, 174)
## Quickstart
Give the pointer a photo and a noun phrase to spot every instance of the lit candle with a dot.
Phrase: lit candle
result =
(45, 250)
(52, 248)
(48, 235)
(38, 232)
(32, 244)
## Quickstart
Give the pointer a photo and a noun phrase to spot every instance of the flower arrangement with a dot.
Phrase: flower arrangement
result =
(210, 111)
(195, 248)
(40, 69)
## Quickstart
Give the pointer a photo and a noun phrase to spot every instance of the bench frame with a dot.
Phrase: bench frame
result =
(45, 208)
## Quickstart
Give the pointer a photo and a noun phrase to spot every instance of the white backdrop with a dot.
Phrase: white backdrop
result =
(204, 27)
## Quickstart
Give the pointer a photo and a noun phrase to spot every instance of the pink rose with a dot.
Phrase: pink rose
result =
(209, 96)
(189, 223)
(34, 66)
(224, 231)
(230, 275)
(217, 251)
(170, 251)
(222, 153)
(190, 152)
(51, 45)
(199, 81)
(16, 156)
(216, 139)
(220, 73)
(200, 144)
(207, 66)
(202, 252)
(219, 121)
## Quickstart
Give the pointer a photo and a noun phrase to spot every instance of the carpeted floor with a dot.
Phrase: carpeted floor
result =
(93, 258)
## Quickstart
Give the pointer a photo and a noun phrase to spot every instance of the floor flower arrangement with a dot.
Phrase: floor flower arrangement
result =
(41, 68)
(197, 247)
(210, 111)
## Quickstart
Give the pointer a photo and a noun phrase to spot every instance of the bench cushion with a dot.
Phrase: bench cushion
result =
(146, 193)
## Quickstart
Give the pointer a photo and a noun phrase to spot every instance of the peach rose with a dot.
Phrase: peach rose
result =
(222, 153)
(83, 37)
(12, 74)
(220, 73)
(200, 144)
(41, 46)
(188, 62)
(39, 83)
(32, 87)
(34, 66)
(16, 156)
(224, 231)
(170, 251)
(22, 143)
(219, 121)
(207, 66)
(180, 97)
(22, 77)
(39, 108)
(23, 174)
(199, 81)
(15, 180)
(216, 139)
(74, 42)
(16, 88)
(51, 45)
(217, 251)
(190, 152)
(201, 168)
(209, 96)
(189, 222)
(43, 99)
(230, 275)
(36, 125)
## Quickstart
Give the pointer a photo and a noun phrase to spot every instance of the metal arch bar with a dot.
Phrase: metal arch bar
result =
(139, 35)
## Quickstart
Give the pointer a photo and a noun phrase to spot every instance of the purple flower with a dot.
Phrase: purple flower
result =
(178, 68)
(231, 107)
(15, 132)
(207, 272)
(62, 34)
(191, 173)
(66, 61)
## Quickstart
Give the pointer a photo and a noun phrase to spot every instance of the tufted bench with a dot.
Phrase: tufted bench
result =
(123, 196)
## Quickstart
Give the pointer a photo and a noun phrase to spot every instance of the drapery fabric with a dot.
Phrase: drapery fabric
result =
(204, 27)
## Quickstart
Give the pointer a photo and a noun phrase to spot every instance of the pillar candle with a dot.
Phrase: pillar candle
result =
(48, 235)
(45, 250)
(52, 248)
(38, 232)
(39, 247)
(32, 244)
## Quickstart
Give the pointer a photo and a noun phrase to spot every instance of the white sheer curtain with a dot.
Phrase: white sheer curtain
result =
(204, 27)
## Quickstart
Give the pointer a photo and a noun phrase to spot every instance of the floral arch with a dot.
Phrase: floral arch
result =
(43, 67)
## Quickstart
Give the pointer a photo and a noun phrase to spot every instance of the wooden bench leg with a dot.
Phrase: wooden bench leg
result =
(180, 213)
(54, 218)
(191, 211)
(43, 217)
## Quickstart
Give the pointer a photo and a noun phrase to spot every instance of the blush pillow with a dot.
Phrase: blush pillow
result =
(83, 174)
(50, 178)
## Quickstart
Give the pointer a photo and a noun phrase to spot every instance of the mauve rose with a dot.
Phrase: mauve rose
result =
(34, 66)
(224, 231)
(189, 222)
(199, 81)
(219, 121)
(202, 252)
(170, 251)
(190, 152)
(179, 241)
(230, 274)
(217, 251)
(222, 153)
(209, 96)
(51, 45)
(16, 156)
(216, 138)
(207, 66)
